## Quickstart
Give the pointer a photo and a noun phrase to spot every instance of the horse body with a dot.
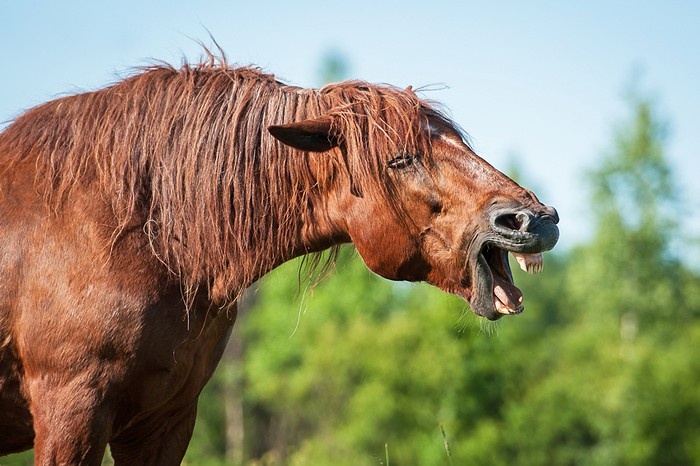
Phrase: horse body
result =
(132, 219)
(97, 329)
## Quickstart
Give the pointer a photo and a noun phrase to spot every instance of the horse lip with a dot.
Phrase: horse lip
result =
(481, 300)
(477, 267)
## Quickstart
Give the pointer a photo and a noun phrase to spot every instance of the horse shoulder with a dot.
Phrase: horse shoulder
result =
(85, 309)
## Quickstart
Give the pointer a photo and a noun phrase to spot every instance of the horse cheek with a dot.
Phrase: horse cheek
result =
(384, 250)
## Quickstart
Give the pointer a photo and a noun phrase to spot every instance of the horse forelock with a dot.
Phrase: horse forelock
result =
(185, 151)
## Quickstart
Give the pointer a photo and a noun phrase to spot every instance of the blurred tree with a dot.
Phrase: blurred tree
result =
(334, 67)
(341, 377)
(612, 381)
(629, 262)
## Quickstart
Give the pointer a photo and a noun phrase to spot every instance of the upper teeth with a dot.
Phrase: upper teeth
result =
(530, 263)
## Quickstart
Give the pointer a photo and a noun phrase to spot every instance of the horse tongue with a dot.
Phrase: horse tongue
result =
(530, 263)
(507, 298)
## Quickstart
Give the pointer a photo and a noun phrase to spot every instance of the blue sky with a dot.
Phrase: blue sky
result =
(541, 82)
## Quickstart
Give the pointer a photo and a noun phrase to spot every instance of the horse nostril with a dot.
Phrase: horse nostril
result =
(518, 221)
(523, 220)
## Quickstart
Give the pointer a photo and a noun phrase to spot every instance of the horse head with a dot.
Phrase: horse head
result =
(454, 217)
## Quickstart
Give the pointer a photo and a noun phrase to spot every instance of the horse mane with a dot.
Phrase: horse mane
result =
(186, 153)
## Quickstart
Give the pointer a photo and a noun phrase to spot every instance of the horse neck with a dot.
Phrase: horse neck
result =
(304, 222)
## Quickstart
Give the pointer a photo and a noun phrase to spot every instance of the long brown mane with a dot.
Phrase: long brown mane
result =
(185, 153)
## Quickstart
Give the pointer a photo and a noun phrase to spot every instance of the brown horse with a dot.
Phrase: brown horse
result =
(133, 217)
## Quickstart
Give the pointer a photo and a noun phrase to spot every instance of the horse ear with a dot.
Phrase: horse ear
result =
(314, 135)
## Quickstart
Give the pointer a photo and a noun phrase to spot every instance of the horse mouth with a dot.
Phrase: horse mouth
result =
(497, 294)
(494, 293)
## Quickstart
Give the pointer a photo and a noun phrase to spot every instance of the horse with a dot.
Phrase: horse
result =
(133, 217)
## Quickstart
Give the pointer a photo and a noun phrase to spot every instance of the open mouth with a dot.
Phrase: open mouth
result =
(524, 235)
(507, 298)
(485, 279)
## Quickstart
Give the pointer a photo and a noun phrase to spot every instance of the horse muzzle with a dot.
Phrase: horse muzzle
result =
(525, 231)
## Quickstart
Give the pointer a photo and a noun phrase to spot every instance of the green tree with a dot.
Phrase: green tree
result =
(612, 383)
(334, 67)
(634, 201)
(340, 376)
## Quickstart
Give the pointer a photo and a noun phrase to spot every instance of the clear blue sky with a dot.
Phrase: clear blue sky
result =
(539, 81)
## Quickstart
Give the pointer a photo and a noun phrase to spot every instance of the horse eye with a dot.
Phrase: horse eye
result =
(402, 161)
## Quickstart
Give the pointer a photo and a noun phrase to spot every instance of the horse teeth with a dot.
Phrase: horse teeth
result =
(500, 307)
(534, 268)
(530, 263)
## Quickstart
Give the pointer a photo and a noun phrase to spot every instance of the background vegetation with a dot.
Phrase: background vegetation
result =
(601, 369)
